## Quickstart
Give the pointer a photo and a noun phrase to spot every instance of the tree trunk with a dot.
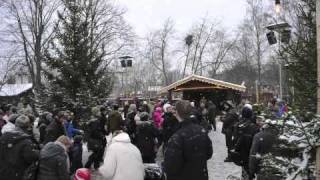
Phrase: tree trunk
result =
(186, 62)
(318, 79)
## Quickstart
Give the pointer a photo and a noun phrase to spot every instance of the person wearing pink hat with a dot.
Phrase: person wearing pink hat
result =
(82, 174)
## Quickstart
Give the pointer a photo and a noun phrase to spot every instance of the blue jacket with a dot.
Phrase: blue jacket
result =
(71, 131)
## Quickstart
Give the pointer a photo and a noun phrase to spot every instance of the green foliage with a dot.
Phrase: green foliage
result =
(78, 72)
(301, 56)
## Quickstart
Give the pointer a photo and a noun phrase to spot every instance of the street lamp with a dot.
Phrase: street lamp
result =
(277, 6)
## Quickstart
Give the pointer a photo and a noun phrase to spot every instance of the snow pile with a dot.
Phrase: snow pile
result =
(14, 89)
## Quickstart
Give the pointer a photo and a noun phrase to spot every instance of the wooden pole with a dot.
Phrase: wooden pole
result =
(318, 79)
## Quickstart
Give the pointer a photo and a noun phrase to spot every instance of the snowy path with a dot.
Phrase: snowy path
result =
(218, 169)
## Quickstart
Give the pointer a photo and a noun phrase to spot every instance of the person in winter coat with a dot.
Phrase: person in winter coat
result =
(228, 128)
(115, 121)
(56, 128)
(9, 127)
(103, 120)
(197, 118)
(157, 117)
(45, 120)
(76, 154)
(188, 149)
(262, 144)
(130, 123)
(146, 137)
(17, 150)
(54, 161)
(96, 140)
(123, 160)
(212, 113)
(244, 133)
(170, 123)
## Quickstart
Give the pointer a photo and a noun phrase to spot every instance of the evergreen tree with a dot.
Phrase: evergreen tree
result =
(77, 65)
(301, 55)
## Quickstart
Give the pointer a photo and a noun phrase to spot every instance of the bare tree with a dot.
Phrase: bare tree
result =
(29, 24)
(255, 23)
(8, 67)
(159, 50)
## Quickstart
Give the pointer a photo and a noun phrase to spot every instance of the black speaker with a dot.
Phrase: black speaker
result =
(129, 63)
(286, 36)
(271, 38)
(123, 63)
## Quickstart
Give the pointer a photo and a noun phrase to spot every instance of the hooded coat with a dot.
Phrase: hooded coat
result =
(123, 160)
(17, 153)
(157, 117)
(187, 153)
(53, 162)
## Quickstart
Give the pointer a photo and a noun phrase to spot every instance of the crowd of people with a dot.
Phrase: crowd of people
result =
(50, 147)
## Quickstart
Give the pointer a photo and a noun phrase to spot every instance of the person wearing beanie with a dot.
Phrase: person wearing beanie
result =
(82, 174)
(245, 130)
(17, 150)
(54, 160)
(76, 154)
(188, 149)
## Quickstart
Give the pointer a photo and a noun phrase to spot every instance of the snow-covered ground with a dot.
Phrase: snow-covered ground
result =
(218, 169)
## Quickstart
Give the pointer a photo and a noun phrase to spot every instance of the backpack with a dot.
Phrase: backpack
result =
(9, 162)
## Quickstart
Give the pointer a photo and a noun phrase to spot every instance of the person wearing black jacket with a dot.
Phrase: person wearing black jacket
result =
(212, 113)
(17, 150)
(76, 154)
(56, 128)
(188, 149)
(170, 124)
(96, 140)
(244, 133)
(146, 134)
(228, 128)
(262, 144)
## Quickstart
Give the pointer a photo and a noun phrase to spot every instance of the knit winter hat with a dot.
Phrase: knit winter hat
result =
(82, 174)
(23, 122)
(144, 116)
(247, 112)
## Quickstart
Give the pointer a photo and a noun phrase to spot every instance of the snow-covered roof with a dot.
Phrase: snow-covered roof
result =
(14, 89)
(215, 82)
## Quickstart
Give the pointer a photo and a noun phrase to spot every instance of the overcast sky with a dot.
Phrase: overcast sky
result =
(146, 15)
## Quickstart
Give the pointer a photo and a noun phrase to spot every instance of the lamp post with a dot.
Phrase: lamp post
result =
(281, 29)
(126, 61)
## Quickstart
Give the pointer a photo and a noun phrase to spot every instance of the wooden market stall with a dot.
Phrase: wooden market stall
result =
(197, 88)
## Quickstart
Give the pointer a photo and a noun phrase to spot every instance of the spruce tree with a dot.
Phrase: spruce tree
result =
(301, 56)
(77, 74)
